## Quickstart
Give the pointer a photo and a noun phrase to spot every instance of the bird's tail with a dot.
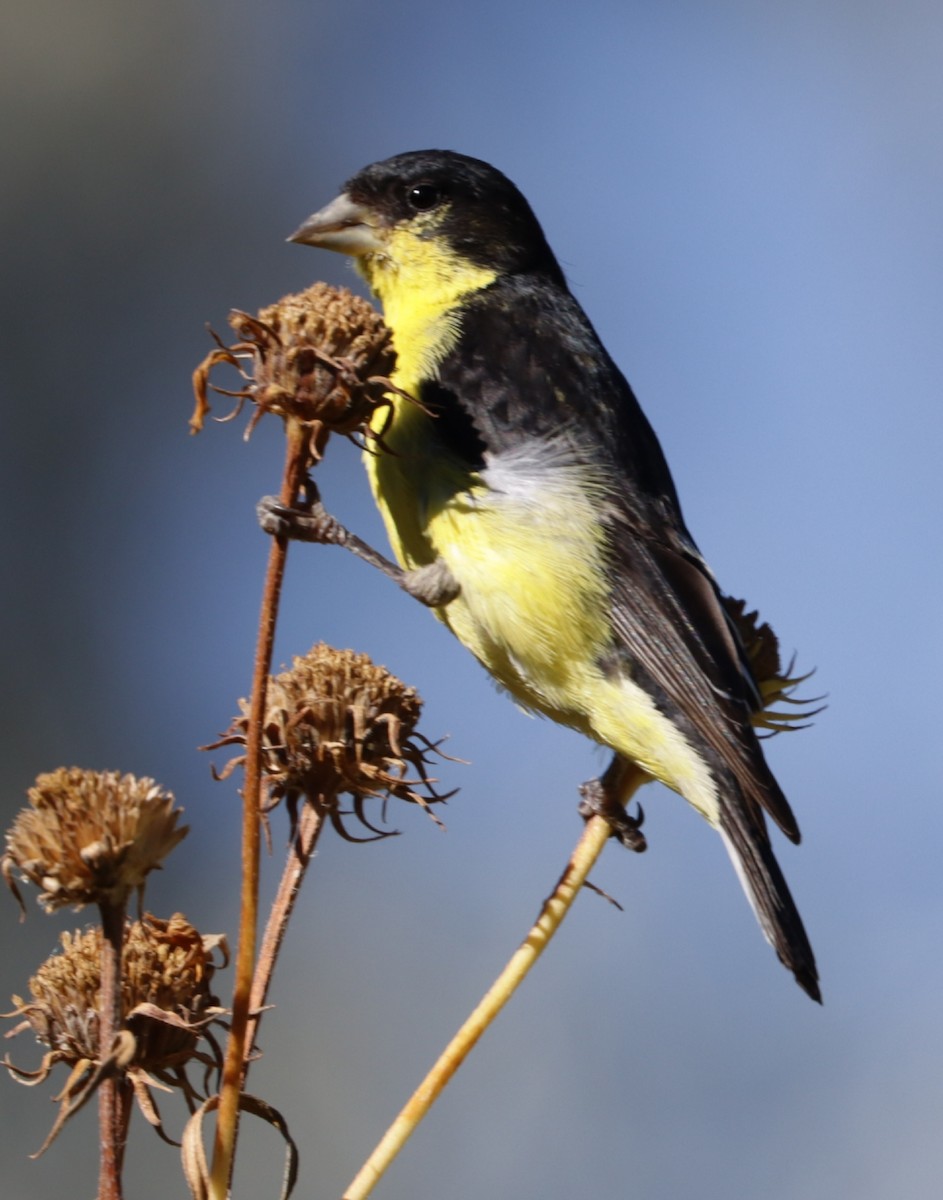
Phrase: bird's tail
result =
(752, 855)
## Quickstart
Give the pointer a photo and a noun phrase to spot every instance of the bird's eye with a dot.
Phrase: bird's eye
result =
(423, 196)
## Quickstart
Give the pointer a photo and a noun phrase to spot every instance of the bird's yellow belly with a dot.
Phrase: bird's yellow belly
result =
(533, 599)
(534, 602)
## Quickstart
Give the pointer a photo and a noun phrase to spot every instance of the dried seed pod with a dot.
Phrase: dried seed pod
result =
(323, 357)
(167, 1010)
(338, 723)
(90, 837)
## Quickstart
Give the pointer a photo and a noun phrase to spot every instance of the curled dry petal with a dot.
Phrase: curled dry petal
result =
(196, 1168)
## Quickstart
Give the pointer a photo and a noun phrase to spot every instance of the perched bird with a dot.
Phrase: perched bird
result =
(530, 504)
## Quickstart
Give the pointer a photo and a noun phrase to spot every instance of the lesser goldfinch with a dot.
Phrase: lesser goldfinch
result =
(528, 491)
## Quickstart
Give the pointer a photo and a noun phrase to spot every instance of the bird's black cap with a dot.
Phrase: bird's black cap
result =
(485, 218)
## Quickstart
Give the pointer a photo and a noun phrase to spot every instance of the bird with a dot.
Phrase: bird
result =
(529, 503)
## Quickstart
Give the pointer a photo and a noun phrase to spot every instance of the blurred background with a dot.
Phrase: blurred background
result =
(746, 199)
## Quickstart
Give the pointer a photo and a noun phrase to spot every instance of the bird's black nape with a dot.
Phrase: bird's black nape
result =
(486, 219)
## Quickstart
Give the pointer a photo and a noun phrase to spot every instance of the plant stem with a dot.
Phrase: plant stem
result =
(224, 1145)
(112, 1118)
(310, 824)
(551, 916)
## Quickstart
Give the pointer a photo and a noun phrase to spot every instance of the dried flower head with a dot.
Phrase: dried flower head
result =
(322, 356)
(337, 723)
(90, 836)
(774, 684)
(167, 1009)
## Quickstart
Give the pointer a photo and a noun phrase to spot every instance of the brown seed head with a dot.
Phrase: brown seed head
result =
(166, 1003)
(322, 356)
(90, 836)
(338, 723)
(166, 966)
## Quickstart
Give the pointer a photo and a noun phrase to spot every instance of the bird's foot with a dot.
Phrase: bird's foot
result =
(433, 585)
(598, 801)
(306, 522)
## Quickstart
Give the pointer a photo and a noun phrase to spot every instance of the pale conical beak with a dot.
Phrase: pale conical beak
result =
(342, 225)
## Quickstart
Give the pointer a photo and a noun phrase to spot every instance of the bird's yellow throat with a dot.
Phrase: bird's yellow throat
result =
(420, 282)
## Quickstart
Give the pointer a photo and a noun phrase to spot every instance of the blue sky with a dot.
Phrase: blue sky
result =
(746, 199)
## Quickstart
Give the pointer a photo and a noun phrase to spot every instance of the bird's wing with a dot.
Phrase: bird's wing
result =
(531, 366)
(670, 622)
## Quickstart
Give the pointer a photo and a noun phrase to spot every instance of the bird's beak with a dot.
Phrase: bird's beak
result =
(344, 226)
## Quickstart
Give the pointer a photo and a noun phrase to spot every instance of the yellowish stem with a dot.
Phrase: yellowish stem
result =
(555, 908)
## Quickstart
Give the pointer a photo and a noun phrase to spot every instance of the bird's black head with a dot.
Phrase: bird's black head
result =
(478, 211)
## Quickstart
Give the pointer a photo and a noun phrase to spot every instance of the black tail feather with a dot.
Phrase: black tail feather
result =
(752, 855)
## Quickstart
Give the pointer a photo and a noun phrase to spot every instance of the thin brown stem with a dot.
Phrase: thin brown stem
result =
(310, 824)
(112, 1124)
(224, 1146)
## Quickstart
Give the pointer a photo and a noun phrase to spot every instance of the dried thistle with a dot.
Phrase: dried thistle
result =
(323, 357)
(337, 723)
(90, 837)
(775, 684)
(167, 1008)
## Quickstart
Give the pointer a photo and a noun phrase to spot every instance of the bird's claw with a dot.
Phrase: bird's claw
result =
(597, 801)
(433, 584)
(310, 522)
